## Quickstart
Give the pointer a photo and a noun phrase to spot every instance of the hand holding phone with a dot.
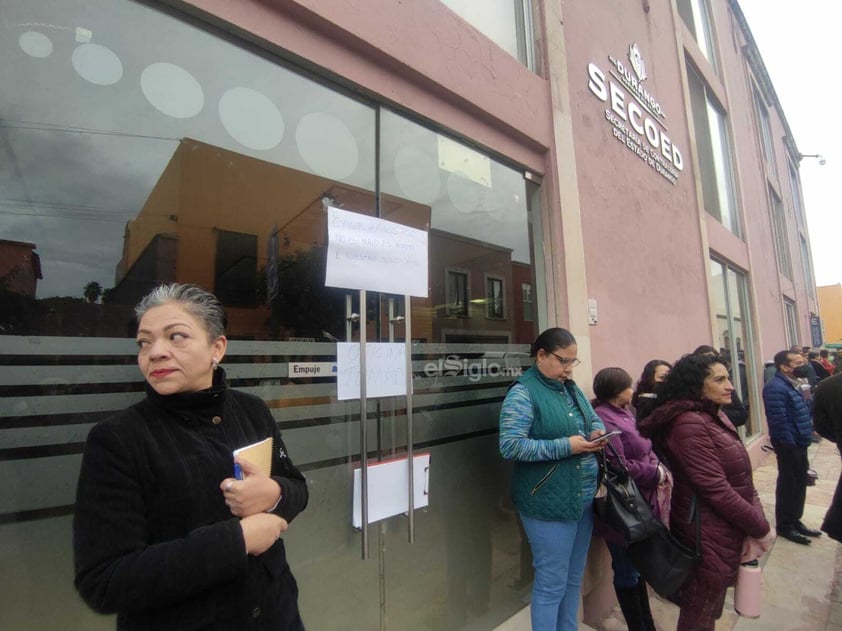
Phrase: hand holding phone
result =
(605, 437)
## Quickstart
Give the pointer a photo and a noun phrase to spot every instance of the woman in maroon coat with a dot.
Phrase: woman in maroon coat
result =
(708, 462)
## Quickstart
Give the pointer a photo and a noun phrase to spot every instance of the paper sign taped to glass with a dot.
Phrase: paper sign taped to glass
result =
(375, 254)
(388, 488)
(385, 368)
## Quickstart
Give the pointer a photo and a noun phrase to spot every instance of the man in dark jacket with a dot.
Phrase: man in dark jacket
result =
(818, 367)
(827, 415)
(790, 429)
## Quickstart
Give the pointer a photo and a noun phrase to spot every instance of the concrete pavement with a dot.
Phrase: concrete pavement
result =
(802, 585)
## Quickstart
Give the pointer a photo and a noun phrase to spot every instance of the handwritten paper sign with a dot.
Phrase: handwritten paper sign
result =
(374, 254)
(385, 367)
(388, 488)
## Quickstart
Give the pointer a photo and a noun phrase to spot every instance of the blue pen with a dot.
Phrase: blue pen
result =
(238, 471)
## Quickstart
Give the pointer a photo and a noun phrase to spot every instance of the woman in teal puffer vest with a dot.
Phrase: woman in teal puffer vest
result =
(546, 428)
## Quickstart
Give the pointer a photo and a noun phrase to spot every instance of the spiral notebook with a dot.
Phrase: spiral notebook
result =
(259, 453)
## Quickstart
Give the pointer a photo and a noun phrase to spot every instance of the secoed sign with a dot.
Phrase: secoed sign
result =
(636, 116)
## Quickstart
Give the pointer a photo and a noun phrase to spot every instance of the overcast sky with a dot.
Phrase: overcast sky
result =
(799, 42)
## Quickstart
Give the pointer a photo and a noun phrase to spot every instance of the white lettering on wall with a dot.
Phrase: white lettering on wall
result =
(597, 82)
(628, 101)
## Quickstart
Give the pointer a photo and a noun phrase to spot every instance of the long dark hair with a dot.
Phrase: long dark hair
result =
(646, 383)
(686, 380)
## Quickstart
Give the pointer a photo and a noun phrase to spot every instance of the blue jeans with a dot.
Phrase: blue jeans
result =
(626, 575)
(559, 551)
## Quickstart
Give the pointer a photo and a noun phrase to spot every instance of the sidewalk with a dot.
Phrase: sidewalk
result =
(802, 585)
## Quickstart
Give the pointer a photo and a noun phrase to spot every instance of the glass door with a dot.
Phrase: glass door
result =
(467, 567)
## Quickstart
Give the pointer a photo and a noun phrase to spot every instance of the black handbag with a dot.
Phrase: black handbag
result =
(623, 508)
(664, 562)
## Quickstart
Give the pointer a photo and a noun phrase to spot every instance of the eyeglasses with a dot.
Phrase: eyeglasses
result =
(567, 361)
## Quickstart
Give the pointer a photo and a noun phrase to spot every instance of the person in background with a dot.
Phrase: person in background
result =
(546, 428)
(827, 418)
(824, 360)
(712, 474)
(644, 397)
(809, 380)
(837, 361)
(735, 411)
(769, 370)
(790, 430)
(613, 392)
(818, 367)
(163, 535)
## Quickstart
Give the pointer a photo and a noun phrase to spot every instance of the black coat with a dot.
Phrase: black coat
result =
(827, 416)
(827, 408)
(153, 539)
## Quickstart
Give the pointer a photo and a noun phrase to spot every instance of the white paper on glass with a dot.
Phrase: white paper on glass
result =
(388, 487)
(385, 367)
(374, 254)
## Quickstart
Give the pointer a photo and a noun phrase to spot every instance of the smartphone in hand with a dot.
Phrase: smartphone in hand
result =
(605, 437)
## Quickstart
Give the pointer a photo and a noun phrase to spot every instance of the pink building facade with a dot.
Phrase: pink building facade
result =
(620, 169)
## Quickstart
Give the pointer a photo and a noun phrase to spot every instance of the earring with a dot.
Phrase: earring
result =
(215, 363)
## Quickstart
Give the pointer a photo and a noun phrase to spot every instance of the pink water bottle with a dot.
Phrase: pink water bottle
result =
(749, 590)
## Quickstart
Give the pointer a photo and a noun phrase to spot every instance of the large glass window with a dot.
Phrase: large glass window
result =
(734, 335)
(807, 266)
(791, 323)
(696, 15)
(781, 234)
(714, 155)
(135, 149)
(795, 190)
(765, 133)
(508, 23)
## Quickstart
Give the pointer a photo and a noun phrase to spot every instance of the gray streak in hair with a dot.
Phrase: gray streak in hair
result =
(201, 304)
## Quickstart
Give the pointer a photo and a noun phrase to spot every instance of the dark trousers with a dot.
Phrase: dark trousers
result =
(791, 490)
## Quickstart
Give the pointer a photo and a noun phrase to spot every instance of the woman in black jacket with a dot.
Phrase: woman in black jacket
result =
(644, 398)
(163, 534)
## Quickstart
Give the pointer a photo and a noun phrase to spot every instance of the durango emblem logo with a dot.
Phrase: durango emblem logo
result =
(636, 59)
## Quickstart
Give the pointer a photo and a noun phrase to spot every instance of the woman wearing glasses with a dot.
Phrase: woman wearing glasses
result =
(547, 427)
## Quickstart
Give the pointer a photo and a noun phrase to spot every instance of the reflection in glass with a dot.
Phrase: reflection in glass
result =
(172, 90)
(110, 189)
(327, 145)
(97, 64)
(35, 44)
(473, 334)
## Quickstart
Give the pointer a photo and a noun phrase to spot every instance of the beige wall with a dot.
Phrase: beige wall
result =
(830, 305)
